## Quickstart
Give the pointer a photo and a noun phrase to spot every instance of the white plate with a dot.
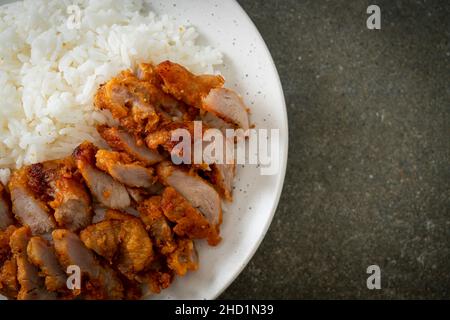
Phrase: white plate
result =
(249, 69)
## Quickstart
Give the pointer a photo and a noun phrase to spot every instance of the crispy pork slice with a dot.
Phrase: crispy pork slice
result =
(32, 286)
(5, 249)
(106, 190)
(103, 238)
(42, 255)
(122, 168)
(27, 207)
(171, 110)
(196, 190)
(162, 136)
(72, 204)
(122, 240)
(58, 184)
(157, 224)
(102, 282)
(184, 85)
(227, 105)
(137, 248)
(158, 276)
(184, 258)
(9, 286)
(70, 199)
(120, 140)
(139, 105)
(222, 176)
(190, 222)
(147, 72)
(6, 217)
(131, 101)
(172, 137)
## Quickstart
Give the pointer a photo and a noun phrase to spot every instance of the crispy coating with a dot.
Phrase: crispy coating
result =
(106, 190)
(57, 183)
(100, 281)
(124, 169)
(42, 255)
(103, 238)
(121, 240)
(189, 221)
(186, 86)
(28, 207)
(184, 258)
(134, 102)
(5, 249)
(8, 279)
(158, 276)
(6, 217)
(156, 223)
(72, 203)
(8, 271)
(32, 286)
(199, 193)
(121, 140)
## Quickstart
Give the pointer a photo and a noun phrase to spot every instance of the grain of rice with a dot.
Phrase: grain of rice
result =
(49, 72)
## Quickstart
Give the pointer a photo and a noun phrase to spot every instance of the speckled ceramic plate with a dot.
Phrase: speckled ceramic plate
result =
(249, 69)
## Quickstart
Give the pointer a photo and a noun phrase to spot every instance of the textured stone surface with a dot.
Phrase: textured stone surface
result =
(368, 177)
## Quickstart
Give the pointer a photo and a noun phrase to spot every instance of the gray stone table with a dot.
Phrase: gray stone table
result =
(368, 178)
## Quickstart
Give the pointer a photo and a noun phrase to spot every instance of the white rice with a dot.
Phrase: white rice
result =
(49, 72)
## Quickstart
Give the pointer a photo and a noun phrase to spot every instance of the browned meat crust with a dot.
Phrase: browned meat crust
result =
(186, 86)
(29, 208)
(189, 221)
(122, 240)
(6, 217)
(105, 189)
(157, 224)
(100, 280)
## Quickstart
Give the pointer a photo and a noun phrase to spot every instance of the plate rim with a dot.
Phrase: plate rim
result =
(283, 168)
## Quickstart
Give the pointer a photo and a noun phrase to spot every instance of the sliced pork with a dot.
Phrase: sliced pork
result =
(5, 249)
(27, 207)
(186, 86)
(120, 140)
(42, 255)
(122, 240)
(227, 105)
(130, 101)
(189, 221)
(6, 217)
(122, 168)
(32, 286)
(9, 286)
(184, 258)
(157, 224)
(106, 190)
(102, 282)
(195, 189)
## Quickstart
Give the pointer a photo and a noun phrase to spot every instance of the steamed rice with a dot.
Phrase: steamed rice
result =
(49, 72)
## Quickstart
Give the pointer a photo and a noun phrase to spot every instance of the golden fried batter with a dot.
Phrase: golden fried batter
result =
(8, 279)
(189, 221)
(184, 258)
(156, 223)
(186, 86)
(123, 242)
